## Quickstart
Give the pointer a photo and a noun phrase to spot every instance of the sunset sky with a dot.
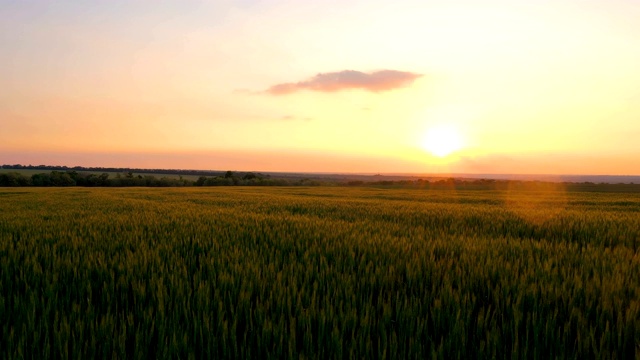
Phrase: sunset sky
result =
(503, 86)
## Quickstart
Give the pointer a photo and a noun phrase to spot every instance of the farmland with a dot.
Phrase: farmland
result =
(323, 272)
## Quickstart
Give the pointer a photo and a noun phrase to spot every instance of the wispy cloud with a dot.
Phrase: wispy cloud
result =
(292, 118)
(377, 81)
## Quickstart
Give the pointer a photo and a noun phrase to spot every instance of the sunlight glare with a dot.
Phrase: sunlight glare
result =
(442, 140)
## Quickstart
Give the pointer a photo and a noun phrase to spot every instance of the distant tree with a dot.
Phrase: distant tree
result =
(73, 174)
(228, 174)
(201, 181)
(249, 176)
(41, 180)
(61, 179)
(13, 179)
(89, 180)
(218, 181)
(103, 178)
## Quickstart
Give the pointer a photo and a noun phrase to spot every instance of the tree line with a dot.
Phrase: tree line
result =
(75, 178)
(71, 177)
(112, 170)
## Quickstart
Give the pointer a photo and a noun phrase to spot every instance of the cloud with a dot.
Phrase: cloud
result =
(377, 81)
(291, 118)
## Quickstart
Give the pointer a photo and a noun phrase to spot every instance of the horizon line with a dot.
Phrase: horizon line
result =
(412, 174)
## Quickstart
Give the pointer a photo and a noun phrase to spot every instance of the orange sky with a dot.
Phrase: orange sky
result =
(335, 86)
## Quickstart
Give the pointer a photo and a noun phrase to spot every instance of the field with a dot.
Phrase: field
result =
(328, 272)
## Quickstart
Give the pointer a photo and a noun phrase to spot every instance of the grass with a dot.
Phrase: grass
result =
(319, 273)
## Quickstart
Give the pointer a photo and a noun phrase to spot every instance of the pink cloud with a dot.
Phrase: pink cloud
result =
(377, 81)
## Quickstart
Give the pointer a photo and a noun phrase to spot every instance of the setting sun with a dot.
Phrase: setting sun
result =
(442, 140)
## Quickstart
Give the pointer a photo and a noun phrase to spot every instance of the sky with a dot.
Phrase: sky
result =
(496, 86)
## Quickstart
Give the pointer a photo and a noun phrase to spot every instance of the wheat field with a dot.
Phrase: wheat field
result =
(296, 272)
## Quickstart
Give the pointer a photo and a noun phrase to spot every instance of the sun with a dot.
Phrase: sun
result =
(442, 140)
